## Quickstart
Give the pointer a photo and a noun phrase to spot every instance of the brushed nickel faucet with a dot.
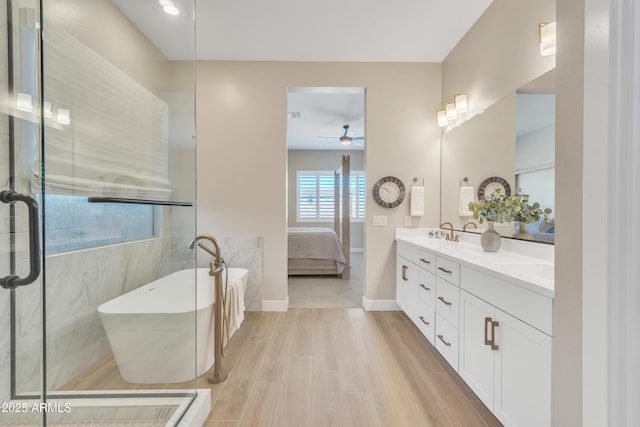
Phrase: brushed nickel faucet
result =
(451, 237)
(470, 223)
(215, 269)
(217, 259)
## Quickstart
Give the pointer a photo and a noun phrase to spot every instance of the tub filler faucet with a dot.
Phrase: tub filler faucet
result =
(217, 259)
(215, 269)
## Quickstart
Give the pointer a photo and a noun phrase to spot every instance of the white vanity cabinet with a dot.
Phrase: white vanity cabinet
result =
(494, 329)
(407, 274)
(504, 360)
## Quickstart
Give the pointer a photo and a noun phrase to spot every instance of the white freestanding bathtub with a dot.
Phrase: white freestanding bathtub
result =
(152, 329)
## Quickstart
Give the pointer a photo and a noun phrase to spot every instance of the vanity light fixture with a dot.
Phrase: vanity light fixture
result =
(547, 38)
(24, 102)
(64, 116)
(169, 7)
(461, 103)
(451, 111)
(46, 110)
(442, 118)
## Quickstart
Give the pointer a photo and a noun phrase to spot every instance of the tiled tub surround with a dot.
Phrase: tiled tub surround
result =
(488, 313)
(241, 252)
(77, 283)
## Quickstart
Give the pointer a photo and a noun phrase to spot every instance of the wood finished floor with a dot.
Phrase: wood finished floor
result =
(327, 367)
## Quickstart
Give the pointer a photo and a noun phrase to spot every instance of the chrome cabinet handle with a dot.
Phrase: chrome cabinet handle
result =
(424, 287)
(444, 270)
(444, 300)
(426, 261)
(445, 343)
(423, 321)
(12, 281)
(404, 273)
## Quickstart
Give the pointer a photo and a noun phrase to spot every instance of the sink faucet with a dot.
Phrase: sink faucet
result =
(470, 223)
(217, 259)
(450, 236)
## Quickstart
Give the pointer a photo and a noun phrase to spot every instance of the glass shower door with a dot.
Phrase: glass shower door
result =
(21, 325)
(97, 133)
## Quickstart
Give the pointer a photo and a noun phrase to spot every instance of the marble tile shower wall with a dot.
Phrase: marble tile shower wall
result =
(242, 252)
(77, 283)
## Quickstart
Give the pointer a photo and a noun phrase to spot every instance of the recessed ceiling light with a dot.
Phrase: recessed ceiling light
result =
(169, 7)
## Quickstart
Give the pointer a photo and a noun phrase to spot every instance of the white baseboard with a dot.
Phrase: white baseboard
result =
(380, 304)
(275, 305)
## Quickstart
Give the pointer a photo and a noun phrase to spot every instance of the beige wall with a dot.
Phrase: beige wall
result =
(482, 147)
(321, 160)
(499, 54)
(567, 309)
(242, 153)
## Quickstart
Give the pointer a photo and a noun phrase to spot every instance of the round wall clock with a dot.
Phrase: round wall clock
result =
(389, 192)
(489, 185)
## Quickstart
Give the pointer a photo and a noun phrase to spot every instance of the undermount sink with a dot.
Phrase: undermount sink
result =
(529, 270)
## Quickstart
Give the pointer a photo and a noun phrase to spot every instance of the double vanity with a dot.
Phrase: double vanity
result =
(488, 313)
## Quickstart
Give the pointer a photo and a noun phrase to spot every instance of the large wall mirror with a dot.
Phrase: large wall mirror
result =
(514, 140)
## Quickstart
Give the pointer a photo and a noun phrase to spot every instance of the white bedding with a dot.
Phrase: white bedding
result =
(316, 243)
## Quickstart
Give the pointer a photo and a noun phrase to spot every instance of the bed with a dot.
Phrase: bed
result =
(314, 250)
(320, 250)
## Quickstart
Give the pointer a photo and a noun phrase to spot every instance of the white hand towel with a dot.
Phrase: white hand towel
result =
(417, 200)
(466, 195)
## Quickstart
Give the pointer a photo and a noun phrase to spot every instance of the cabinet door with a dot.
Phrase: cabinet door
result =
(523, 374)
(476, 362)
(407, 275)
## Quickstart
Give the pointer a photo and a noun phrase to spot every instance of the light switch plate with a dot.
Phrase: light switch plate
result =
(380, 221)
(407, 220)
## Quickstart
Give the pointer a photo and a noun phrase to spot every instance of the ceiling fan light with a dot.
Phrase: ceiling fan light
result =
(345, 140)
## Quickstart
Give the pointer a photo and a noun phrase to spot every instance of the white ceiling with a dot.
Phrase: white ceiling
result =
(298, 30)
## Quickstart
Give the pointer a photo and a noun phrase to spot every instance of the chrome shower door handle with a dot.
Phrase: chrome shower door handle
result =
(12, 281)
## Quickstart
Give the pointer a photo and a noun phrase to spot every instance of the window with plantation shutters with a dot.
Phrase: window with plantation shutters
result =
(316, 196)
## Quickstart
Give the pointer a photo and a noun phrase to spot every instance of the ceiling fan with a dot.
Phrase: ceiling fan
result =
(346, 138)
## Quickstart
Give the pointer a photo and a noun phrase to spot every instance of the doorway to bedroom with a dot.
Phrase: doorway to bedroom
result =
(326, 202)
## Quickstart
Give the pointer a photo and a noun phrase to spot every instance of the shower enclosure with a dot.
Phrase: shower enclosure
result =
(97, 199)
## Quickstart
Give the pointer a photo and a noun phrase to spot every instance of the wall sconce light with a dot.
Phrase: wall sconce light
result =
(24, 102)
(46, 110)
(461, 103)
(450, 109)
(64, 117)
(547, 38)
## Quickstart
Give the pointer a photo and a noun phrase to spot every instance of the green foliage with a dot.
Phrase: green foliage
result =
(500, 208)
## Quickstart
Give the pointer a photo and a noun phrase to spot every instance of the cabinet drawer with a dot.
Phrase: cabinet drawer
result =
(447, 341)
(448, 270)
(448, 301)
(425, 320)
(411, 253)
(427, 288)
(427, 261)
(524, 304)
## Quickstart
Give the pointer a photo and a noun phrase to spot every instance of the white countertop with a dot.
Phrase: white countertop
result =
(535, 274)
